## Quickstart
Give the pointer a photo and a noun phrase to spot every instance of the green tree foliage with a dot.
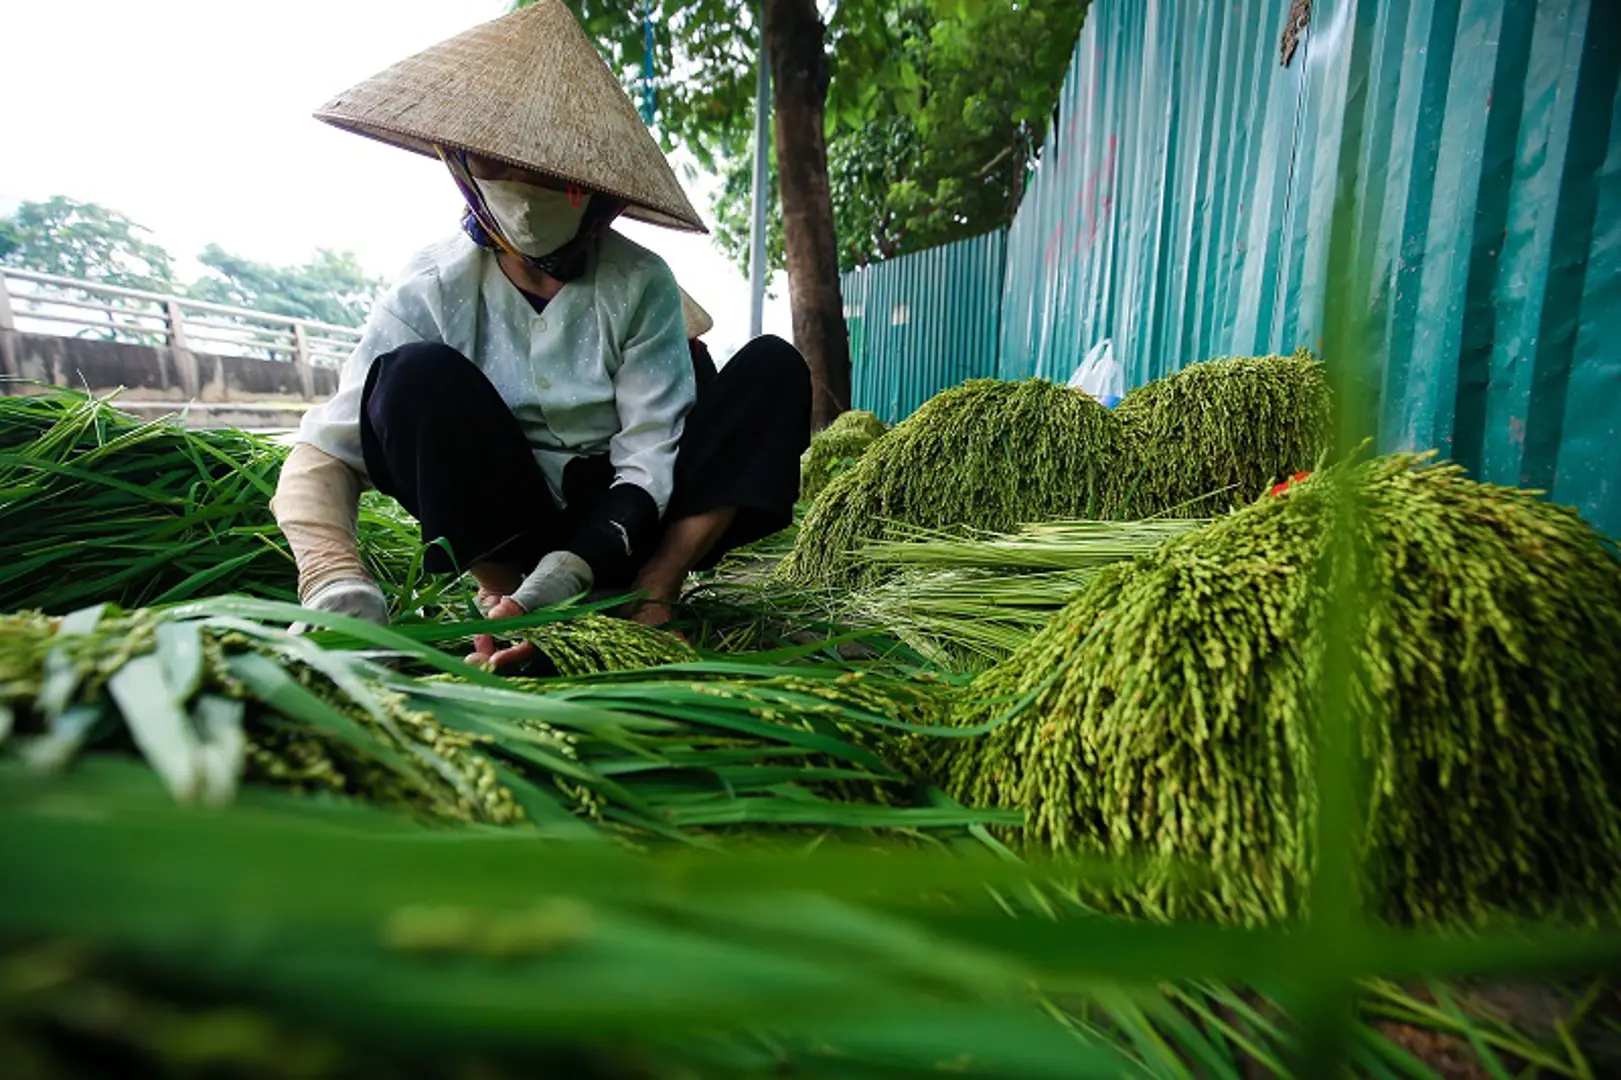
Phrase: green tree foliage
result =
(84, 240)
(942, 152)
(10, 237)
(331, 287)
(706, 52)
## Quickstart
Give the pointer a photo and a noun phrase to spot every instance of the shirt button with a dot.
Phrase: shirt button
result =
(543, 325)
(543, 382)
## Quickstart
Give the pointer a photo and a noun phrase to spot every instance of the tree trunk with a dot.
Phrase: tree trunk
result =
(796, 45)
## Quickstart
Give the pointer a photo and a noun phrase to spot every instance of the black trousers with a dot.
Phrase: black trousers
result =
(437, 436)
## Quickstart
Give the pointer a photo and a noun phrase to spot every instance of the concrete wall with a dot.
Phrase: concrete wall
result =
(156, 373)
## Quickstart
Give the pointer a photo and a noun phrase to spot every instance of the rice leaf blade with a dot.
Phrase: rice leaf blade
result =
(157, 723)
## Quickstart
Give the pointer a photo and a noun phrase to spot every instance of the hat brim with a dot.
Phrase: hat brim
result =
(693, 314)
(420, 143)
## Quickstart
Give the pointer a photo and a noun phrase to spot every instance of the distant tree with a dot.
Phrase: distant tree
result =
(708, 52)
(331, 287)
(10, 238)
(84, 240)
(937, 158)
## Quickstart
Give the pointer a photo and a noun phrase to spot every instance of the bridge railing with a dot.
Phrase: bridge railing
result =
(34, 302)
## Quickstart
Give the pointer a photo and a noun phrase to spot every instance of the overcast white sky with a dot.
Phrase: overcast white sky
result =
(193, 117)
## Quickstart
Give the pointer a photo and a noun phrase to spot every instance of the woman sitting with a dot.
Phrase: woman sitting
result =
(526, 390)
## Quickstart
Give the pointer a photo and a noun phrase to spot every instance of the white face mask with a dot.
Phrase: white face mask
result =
(535, 220)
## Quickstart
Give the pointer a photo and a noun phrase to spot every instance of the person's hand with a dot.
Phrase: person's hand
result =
(561, 576)
(486, 653)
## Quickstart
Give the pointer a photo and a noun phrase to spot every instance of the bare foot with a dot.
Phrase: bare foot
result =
(656, 613)
(651, 612)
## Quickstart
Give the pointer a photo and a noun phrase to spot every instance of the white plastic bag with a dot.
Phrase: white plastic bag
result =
(1100, 376)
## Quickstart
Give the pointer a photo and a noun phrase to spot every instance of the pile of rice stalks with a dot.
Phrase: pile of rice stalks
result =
(986, 454)
(97, 506)
(1218, 434)
(1169, 712)
(211, 696)
(836, 448)
(992, 455)
(209, 703)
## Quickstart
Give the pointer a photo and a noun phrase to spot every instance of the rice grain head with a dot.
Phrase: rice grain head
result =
(1218, 434)
(991, 455)
(836, 449)
(986, 454)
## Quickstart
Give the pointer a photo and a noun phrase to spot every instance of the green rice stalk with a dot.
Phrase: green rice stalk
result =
(992, 455)
(1047, 545)
(573, 960)
(590, 644)
(966, 620)
(1168, 712)
(587, 961)
(216, 704)
(836, 448)
(967, 600)
(865, 715)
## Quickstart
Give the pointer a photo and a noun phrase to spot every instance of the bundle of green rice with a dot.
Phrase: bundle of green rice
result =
(986, 454)
(211, 702)
(1220, 433)
(210, 695)
(991, 455)
(590, 644)
(1169, 712)
(97, 506)
(836, 448)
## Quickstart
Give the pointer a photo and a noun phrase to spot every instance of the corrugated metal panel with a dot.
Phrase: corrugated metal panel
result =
(1156, 218)
(1184, 201)
(923, 322)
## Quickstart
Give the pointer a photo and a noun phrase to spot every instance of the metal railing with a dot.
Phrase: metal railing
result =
(33, 302)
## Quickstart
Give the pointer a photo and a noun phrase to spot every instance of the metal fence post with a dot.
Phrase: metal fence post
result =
(301, 361)
(185, 361)
(8, 336)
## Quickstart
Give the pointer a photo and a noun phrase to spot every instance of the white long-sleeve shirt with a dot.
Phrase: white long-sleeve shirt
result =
(603, 369)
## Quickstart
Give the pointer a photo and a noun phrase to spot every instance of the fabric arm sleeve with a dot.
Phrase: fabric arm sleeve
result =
(317, 505)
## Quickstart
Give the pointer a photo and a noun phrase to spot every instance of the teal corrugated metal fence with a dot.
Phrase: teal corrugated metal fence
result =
(1158, 218)
(1486, 147)
(1183, 203)
(923, 322)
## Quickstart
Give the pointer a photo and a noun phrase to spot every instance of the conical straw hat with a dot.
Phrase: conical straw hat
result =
(531, 90)
(698, 321)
